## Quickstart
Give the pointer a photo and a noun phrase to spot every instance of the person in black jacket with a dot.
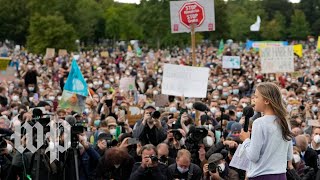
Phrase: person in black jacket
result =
(309, 155)
(183, 168)
(115, 164)
(149, 168)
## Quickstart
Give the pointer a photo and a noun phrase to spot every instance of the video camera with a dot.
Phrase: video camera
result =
(176, 134)
(76, 129)
(196, 135)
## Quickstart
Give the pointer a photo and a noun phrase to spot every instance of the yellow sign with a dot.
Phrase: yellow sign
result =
(4, 62)
(298, 49)
(318, 46)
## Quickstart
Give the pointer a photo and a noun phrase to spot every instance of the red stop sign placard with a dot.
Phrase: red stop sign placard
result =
(191, 13)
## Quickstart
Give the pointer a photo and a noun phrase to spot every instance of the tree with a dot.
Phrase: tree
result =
(50, 32)
(88, 15)
(299, 27)
(272, 30)
(14, 18)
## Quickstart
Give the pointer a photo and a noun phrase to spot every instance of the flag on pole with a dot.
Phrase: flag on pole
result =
(256, 25)
(75, 90)
(221, 47)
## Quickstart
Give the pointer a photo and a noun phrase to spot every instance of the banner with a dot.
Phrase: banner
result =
(128, 84)
(277, 59)
(75, 90)
(185, 81)
(298, 49)
(231, 62)
(263, 44)
(4, 62)
(185, 13)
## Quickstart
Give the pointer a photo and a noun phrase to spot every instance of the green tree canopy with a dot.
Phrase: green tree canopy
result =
(50, 31)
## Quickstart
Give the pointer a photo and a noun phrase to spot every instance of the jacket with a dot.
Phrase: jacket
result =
(156, 173)
(142, 132)
(173, 172)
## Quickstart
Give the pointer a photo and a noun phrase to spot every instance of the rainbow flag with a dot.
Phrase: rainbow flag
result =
(75, 90)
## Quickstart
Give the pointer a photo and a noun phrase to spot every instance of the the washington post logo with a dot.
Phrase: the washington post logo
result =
(49, 140)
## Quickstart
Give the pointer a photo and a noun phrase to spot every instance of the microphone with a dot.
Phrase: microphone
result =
(199, 106)
(248, 112)
(71, 120)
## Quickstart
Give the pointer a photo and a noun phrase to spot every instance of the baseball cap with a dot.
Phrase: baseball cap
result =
(150, 106)
(236, 127)
(214, 158)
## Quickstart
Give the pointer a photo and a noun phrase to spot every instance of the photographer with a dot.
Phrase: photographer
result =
(163, 154)
(175, 140)
(150, 130)
(149, 168)
(5, 157)
(183, 168)
(218, 169)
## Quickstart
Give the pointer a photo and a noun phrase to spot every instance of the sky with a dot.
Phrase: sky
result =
(138, 1)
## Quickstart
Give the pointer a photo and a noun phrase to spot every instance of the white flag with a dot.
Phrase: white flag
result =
(256, 25)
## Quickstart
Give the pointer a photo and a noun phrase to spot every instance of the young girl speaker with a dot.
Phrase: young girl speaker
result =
(270, 146)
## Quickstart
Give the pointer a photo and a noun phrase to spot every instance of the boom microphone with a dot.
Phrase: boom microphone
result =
(248, 112)
(199, 106)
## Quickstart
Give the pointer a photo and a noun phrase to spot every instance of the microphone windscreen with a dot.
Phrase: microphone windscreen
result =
(200, 106)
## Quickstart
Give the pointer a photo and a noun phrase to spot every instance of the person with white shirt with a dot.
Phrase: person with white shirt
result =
(270, 147)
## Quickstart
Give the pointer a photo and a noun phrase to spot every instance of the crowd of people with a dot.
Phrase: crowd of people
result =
(170, 142)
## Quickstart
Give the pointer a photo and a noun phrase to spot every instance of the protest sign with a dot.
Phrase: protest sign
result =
(298, 49)
(104, 54)
(185, 81)
(231, 62)
(277, 59)
(318, 44)
(62, 52)
(50, 53)
(127, 84)
(8, 74)
(4, 62)
(185, 13)
(134, 114)
(161, 100)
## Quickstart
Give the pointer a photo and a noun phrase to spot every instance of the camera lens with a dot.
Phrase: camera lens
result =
(212, 167)
(156, 115)
(154, 159)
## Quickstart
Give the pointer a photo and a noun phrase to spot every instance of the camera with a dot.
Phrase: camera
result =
(110, 141)
(212, 167)
(156, 115)
(197, 134)
(176, 134)
(154, 159)
(75, 130)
